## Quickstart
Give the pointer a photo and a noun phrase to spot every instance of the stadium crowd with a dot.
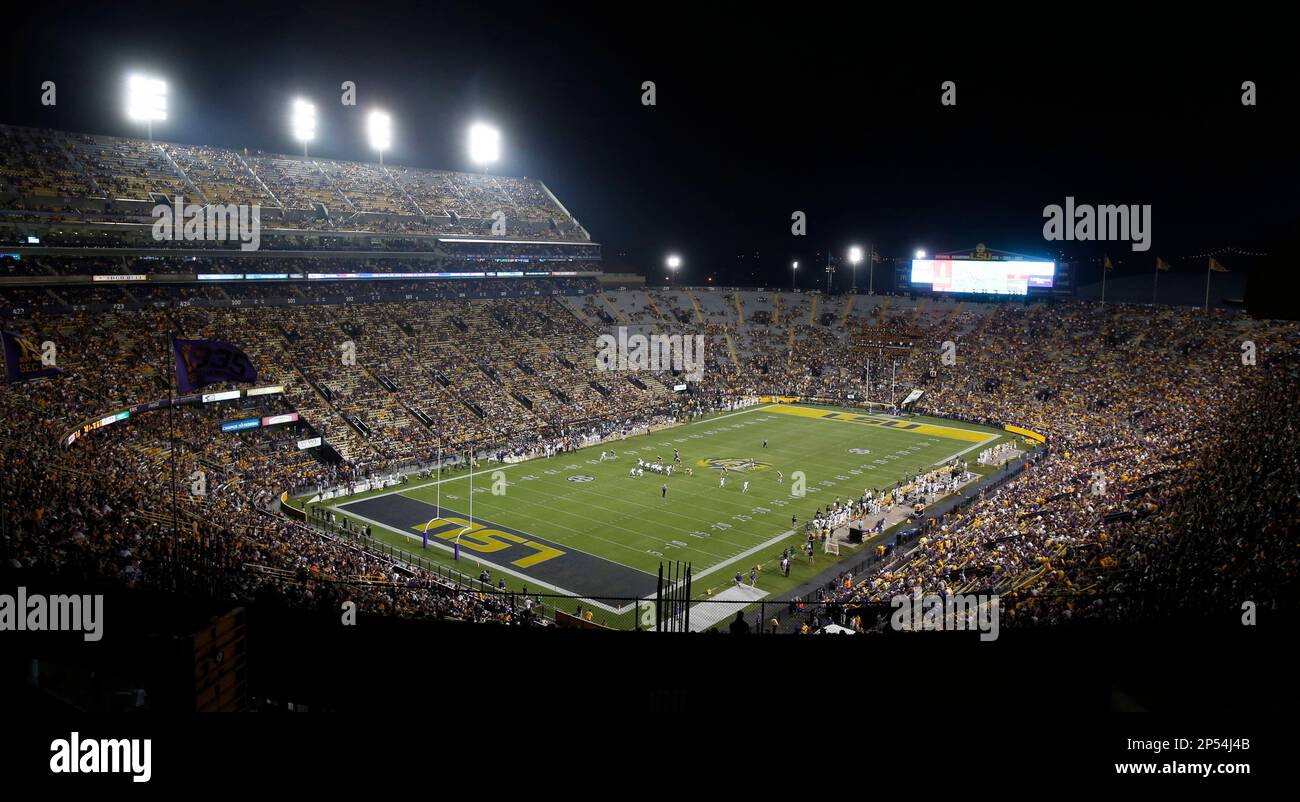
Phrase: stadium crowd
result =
(1148, 497)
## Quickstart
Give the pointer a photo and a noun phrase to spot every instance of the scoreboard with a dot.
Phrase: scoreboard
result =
(982, 276)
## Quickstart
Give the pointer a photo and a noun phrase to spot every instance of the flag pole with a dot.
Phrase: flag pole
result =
(1208, 265)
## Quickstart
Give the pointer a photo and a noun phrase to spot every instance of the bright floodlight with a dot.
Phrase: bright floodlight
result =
(146, 99)
(674, 262)
(304, 121)
(920, 254)
(855, 255)
(380, 126)
(796, 265)
(484, 143)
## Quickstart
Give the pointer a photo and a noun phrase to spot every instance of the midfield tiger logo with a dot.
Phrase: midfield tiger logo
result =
(734, 464)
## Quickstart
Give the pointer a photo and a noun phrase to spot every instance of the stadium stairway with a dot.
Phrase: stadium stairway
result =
(731, 349)
(654, 307)
(848, 308)
(618, 313)
(259, 181)
(740, 310)
(812, 312)
(695, 303)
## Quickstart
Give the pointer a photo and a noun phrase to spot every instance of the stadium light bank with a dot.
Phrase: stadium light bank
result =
(146, 100)
(304, 123)
(484, 144)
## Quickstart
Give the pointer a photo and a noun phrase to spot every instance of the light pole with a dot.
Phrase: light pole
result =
(855, 256)
(793, 270)
(674, 262)
(871, 268)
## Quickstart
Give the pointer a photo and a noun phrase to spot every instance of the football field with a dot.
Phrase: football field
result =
(579, 526)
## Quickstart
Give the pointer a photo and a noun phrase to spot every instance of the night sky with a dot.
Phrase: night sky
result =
(802, 108)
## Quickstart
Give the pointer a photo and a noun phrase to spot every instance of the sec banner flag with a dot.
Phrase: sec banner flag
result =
(203, 362)
(23, 360)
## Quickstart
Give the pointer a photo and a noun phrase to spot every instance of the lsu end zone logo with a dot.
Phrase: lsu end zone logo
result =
(488, 539)
(734, 464)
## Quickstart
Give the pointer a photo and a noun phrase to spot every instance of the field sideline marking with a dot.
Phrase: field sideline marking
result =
(983, 442)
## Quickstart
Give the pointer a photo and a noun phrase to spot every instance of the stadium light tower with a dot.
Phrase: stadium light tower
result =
(674, 262)
(304, 123)
(855, 256)
(146, 100)
(380, 126)
(484, 144)
(920, 253)
(794, 269)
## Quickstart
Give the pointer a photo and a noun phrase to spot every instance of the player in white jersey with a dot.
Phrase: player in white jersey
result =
(722, 480)
(745, 487)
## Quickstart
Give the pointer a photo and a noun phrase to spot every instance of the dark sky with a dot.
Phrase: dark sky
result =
(759, 114)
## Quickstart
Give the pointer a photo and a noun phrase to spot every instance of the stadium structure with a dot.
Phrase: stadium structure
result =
(396, 400)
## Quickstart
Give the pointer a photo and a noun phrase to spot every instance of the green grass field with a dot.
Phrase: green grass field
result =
(576, 526)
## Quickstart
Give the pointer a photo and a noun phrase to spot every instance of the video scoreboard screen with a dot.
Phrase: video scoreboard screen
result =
(990, 277)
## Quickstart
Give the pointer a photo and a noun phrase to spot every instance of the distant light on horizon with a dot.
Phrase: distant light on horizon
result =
(146, 98)
(484, 143)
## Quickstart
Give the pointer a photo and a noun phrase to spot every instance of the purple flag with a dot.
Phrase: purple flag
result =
(23, 359)
(203, 362)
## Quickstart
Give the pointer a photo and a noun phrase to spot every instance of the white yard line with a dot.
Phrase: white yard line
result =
(983, 442)
(719, 566)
